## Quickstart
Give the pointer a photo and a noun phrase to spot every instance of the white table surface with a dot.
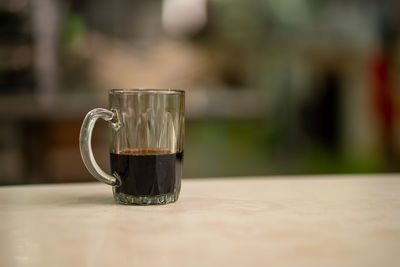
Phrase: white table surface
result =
(274, 221)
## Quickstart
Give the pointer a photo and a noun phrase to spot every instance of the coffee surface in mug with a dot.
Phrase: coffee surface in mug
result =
(147, 172)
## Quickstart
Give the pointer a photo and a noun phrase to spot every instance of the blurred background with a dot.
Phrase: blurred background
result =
(272, 87)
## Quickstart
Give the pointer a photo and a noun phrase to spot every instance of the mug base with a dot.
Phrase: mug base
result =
(163, 199)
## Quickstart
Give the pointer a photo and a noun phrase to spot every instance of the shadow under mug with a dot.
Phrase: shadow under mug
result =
(146, 149)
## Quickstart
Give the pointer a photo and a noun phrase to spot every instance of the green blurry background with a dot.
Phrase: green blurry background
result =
(272, 87)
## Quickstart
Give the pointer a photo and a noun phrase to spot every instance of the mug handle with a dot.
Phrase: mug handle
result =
(85, 146)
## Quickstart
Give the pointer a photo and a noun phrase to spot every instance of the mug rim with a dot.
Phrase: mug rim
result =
(115, 91)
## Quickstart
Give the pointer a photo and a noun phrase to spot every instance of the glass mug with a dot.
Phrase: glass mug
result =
(146, 152)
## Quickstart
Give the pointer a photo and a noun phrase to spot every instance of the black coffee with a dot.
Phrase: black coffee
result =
(147, 172)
